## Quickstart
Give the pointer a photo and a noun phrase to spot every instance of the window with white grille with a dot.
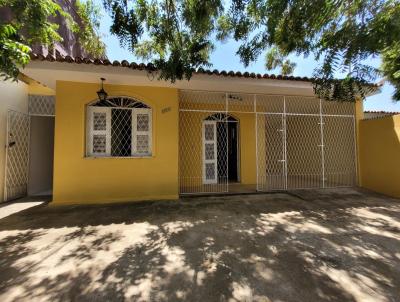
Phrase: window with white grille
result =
(119, 127)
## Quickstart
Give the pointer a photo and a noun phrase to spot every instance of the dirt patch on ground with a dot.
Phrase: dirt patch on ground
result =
(315, 245)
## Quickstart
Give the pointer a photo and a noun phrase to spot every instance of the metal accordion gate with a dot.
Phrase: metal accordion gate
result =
(17, 144)
(17, 155)
(298, 142)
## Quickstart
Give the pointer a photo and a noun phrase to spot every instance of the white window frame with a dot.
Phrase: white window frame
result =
(90, 132)
(136, 132)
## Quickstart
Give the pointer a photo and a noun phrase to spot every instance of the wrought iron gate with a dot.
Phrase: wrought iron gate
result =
(203, 143)
(271, 169)
(17, 155)
(311, 144)
(300, 142)
(17, 144)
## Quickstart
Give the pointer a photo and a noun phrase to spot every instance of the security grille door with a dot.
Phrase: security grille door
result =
(17, 154)
(210, 158)
(303, 152)
(340, 166)
(300, 142)
(270, 152)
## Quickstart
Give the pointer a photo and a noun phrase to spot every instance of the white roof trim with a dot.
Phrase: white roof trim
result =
(48, 73)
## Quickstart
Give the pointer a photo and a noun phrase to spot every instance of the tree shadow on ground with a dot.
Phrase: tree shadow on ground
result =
(309, 246)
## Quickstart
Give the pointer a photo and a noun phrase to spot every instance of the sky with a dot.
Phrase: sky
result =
(224, 58)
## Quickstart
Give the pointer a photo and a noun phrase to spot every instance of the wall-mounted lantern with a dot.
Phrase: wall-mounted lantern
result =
(102, 93)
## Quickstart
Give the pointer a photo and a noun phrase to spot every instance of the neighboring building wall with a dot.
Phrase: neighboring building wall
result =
(377, 114)
(70, 42)
(78, 179)
(380, 155)
(13, 96)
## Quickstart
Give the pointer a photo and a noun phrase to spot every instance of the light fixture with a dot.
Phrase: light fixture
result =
(102, 93)
(235, 97)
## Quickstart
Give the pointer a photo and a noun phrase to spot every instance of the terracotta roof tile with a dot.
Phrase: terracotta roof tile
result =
(150, 67)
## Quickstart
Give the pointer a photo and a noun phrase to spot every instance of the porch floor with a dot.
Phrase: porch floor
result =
(294, 182)
(315, 245)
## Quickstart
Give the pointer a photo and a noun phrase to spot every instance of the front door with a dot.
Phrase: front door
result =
(232, 151)
(17, 154)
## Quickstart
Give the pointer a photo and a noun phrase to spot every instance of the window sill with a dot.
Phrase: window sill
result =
(119, 157)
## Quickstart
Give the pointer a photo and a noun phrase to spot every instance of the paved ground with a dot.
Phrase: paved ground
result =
(333, 245)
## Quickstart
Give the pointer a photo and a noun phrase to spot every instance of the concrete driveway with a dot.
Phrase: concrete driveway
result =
(319, 245)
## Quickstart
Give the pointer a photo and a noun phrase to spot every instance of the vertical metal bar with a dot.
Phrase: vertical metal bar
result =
(7, 155)
(256, 132)
(28, 156)
(322, 143)
(179, 148)
(355, 138)
(284, 125)
(282, 179)
(227, 142)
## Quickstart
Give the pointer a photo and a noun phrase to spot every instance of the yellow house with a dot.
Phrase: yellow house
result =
(220, 132)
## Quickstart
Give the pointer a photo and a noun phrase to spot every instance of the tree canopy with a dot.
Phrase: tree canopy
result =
(178, 36)
(30, 23)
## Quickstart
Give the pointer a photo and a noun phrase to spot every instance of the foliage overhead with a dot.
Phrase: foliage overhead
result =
(179, 35)
(88, 29)
(31, 23)
(175, 35)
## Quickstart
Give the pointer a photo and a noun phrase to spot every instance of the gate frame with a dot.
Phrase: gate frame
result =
(37, 105)
(5, 193)
(284, 115)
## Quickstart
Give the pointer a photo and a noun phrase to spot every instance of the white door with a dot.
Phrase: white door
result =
(17, 155)
(210, 160)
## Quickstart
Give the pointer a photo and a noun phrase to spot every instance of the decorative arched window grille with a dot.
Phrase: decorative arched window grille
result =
(221, 117)
(119, 127)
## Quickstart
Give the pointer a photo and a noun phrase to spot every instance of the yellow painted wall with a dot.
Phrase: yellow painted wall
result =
(176, 136)
(78, 179)
(248, 173)
(380, 154)
(35, 88)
